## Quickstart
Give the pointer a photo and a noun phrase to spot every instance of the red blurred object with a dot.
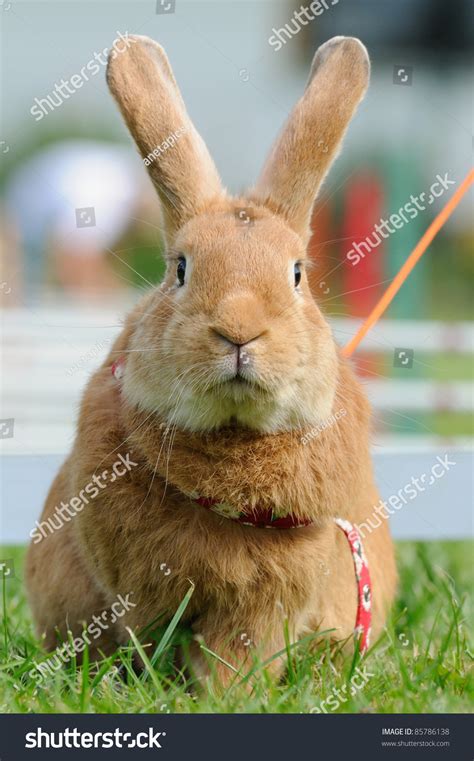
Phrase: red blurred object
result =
(363, 209)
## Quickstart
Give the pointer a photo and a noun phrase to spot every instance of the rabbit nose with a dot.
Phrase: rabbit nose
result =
(239, 319)
(239, 343)
(242, 357)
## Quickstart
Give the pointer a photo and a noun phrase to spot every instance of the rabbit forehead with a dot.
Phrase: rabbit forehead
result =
(228, 237)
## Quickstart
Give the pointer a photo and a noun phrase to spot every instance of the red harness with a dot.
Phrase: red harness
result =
(263, 518)
(364, 586)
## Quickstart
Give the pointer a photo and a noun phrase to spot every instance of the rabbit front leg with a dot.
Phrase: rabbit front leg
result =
(227, 647)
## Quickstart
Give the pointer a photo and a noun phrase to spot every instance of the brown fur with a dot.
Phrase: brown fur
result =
(190, 432)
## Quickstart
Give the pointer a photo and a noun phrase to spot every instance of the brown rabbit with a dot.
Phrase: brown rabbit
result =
(211, 391)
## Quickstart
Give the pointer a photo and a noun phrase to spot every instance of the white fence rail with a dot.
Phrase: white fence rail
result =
(420, 335)
(48, 354)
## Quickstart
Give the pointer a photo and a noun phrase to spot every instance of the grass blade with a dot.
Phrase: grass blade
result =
(172, 625)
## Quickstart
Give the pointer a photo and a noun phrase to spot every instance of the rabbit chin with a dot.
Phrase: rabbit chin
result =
(238, 406)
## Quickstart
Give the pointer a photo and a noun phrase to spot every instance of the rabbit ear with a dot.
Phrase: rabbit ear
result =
(142, 82)
(311, 138)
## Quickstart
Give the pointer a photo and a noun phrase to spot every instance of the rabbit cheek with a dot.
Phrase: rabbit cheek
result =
(320, 383)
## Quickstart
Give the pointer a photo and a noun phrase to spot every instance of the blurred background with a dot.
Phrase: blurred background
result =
(81, 225)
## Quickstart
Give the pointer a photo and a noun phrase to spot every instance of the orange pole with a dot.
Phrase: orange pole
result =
(407, 267)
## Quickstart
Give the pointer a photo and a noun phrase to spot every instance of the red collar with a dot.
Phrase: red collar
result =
(259, 518)
(263, 518)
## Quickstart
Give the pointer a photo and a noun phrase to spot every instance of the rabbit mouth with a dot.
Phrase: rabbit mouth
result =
(240, 383)
(240, 379)
(239, 388)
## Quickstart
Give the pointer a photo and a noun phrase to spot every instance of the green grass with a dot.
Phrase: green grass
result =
(421, 664)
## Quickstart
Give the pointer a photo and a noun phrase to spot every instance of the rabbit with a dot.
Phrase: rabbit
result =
(212, 390)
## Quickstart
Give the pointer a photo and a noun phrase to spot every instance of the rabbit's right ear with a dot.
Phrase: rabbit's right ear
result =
(142, 82)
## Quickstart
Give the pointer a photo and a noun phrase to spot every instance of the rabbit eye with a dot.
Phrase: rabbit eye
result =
(181, 269)
(297, 274)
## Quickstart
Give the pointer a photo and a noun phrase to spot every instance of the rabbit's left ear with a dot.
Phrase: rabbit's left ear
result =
(142, 82)
(314, 131)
